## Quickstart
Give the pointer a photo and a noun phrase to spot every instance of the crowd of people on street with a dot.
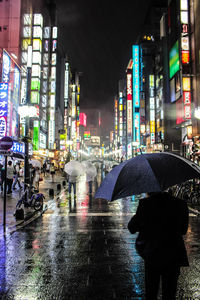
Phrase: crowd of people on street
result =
(15, 175)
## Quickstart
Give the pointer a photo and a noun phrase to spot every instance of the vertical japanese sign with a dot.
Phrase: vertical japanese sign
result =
(152, 107)
(3, 108)
(136, 93)
(6, 67)
(129, 106)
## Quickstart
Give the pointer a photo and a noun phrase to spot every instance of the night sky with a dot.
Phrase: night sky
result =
(97, 36)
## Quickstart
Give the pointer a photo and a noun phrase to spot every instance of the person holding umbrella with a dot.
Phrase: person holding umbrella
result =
(73, 169)
(161, 220)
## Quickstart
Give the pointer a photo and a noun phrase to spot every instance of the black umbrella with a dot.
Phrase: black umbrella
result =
(153, 172)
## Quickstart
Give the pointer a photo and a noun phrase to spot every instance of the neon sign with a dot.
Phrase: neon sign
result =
(3, 108)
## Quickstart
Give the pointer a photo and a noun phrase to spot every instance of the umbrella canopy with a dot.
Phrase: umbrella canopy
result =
(74, 168)
(90, 170)
(153, 172)
(35, 163)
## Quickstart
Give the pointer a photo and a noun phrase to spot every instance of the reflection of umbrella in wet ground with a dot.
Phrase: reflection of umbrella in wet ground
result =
(35, 163)
(90, 170)
(74, 168)
(151, 172)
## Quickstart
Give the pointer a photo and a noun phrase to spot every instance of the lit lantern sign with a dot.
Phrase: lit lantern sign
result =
(3, 108)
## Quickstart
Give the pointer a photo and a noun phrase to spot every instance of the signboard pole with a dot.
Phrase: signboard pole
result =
(4, 198)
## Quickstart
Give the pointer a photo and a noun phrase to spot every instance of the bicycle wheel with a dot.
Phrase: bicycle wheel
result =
(194, 198)
(185, 195)
(38, 203)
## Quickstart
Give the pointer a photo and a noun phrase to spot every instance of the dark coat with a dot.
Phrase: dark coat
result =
(161, 220)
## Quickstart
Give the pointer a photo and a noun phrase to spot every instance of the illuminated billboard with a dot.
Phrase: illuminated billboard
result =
(174, 61)
(83, 119)
(3, 108)
(136, 77)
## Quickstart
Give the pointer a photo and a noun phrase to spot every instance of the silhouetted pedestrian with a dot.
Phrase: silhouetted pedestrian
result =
(9, 176)
(17, 175)
(161, 220)
(52, 171)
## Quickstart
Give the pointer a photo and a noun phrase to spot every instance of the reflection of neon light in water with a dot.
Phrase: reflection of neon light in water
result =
(3, 267)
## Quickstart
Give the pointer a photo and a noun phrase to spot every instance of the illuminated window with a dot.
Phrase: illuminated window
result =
(53, 72)
(45, 73)
(54, 33)
(25, 43)
(53, 59)
(54, 45)
(24, 56)
(27, 32)
(38, 19)
(37, 44)
(36, 71)
(184, 5)
(184, 17)
(35, 84)
(37, 32)
(37, 57)
(46, 59)
(46, 45)
(44, 87)
(46, 32)
(35, 96)
(27, 19)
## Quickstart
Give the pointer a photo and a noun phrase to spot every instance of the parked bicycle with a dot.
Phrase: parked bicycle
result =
(31, 198)
(188, 191)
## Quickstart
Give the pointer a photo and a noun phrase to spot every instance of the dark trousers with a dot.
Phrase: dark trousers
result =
(74, 187)
(90, 186)
(9, 184)
(169, 276)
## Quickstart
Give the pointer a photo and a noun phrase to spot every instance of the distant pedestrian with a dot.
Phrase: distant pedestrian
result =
(44, 168)
(32, 173)
(90, 180)
(16, 176)
(161, 220)
(47, 167)
(9, 176)
(52, 171)
(36, 178)
(2, 176)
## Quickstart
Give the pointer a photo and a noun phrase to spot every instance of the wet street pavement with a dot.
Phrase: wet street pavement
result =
(82, 250)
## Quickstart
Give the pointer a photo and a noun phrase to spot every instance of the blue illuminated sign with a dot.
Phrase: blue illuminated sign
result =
(136, 77)
(136, 93)
(18, 147)
(136, 135)
(6, 67)
(3, 108)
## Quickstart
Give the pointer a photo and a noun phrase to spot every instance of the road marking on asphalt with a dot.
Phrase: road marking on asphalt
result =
(99, 214)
